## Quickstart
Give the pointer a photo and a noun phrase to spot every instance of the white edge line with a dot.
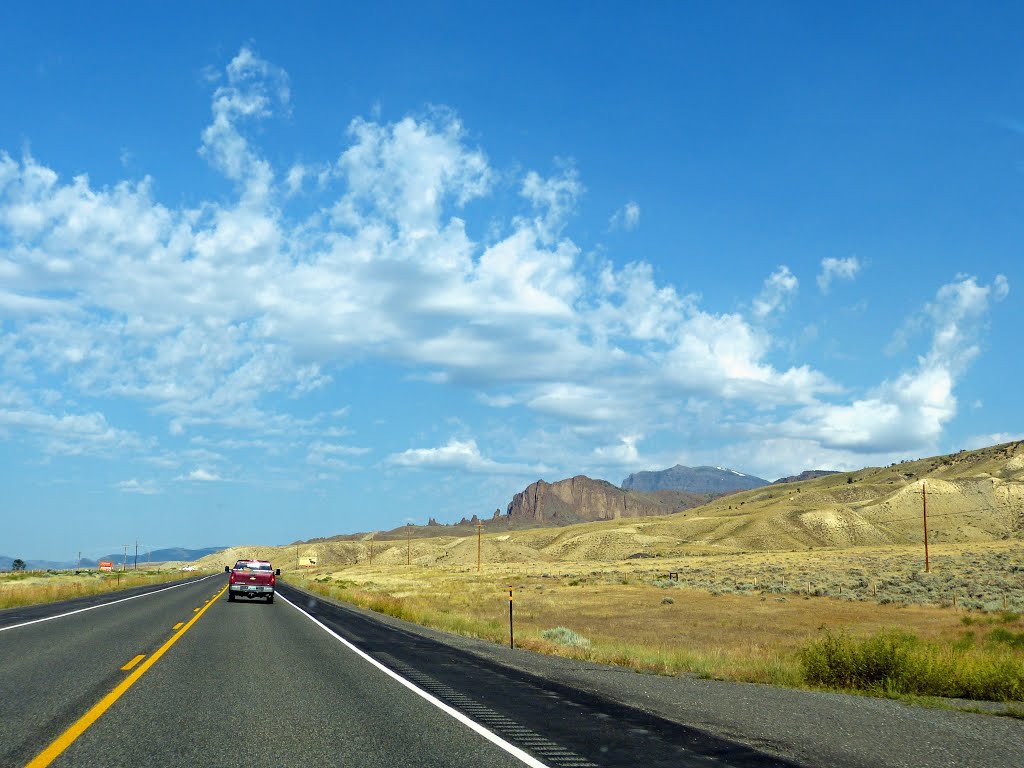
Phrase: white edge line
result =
(492, 737)
(102, 605)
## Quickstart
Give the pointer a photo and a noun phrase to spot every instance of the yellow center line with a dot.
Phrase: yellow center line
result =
(178, 625)
(67, 738)
(133, 662)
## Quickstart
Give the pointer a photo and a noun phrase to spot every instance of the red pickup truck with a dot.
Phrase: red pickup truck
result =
(252, 578)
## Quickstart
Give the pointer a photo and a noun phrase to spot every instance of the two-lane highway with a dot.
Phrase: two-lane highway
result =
(246, 683)
(182, 677)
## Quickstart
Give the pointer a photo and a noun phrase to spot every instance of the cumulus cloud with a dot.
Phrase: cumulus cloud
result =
(779, 287)
(462, 455)
(253, 90)
(623, 454)
(144, 487)
(223, 315)
(909, 412)
(200, 475)
(833, 269)
(627, 217)
(554, 198)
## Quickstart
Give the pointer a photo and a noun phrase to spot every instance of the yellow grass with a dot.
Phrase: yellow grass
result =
(633, 616)
(19, 589)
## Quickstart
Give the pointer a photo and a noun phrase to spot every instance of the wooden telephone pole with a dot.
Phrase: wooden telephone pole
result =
(408, 544)
(924, 509)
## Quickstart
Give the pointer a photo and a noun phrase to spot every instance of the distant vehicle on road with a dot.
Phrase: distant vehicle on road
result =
(252, 578)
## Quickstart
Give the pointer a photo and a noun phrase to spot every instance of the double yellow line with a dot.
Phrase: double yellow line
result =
(66, 739)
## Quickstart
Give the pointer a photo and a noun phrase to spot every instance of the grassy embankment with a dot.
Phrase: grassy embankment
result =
(799, 631)
(34, 587)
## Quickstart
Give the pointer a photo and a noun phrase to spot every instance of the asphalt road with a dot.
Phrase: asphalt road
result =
(304, 681)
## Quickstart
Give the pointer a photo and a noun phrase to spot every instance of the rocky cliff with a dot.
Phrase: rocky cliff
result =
(580, 499)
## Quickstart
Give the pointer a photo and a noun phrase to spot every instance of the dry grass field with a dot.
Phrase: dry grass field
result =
(714, 621)
(818, 582)
(33, 587)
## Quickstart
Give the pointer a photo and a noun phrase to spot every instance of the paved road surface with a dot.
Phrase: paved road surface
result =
(256, 684)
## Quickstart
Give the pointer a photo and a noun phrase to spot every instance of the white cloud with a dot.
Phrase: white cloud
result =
(333, 455)
(254, 88)
(771, 457)
(463, 455)
(405, 172)
(627, 217)
(993, 438)
(554, 200)
(837, 269)
(200, 475)
(294, 178)
(622, 454)
(909, 412)
(779, 288)
(70, 434)
(145, 487)
(220, 316)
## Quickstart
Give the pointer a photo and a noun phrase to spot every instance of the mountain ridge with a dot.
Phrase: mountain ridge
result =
(973, 496)
(702, 479)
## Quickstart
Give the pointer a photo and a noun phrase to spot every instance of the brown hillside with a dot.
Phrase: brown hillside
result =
(972, 496)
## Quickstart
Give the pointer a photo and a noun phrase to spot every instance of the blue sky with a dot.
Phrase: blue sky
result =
(267, 276)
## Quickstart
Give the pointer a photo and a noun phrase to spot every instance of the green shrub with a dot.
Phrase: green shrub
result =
(896, 662)
(565, 636)
(1001, 636)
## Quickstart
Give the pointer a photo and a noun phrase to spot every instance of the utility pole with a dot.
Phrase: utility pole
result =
(924, 509)
(479, 528)
(124, 560)
(136, 554)
(371, 549)
(79, 566)
(296, 557)
(408, 542)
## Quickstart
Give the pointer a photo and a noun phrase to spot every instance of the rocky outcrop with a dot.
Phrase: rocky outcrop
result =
(580, 499)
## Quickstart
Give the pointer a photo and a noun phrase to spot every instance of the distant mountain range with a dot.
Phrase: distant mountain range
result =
(169, 554)
(717, 480)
